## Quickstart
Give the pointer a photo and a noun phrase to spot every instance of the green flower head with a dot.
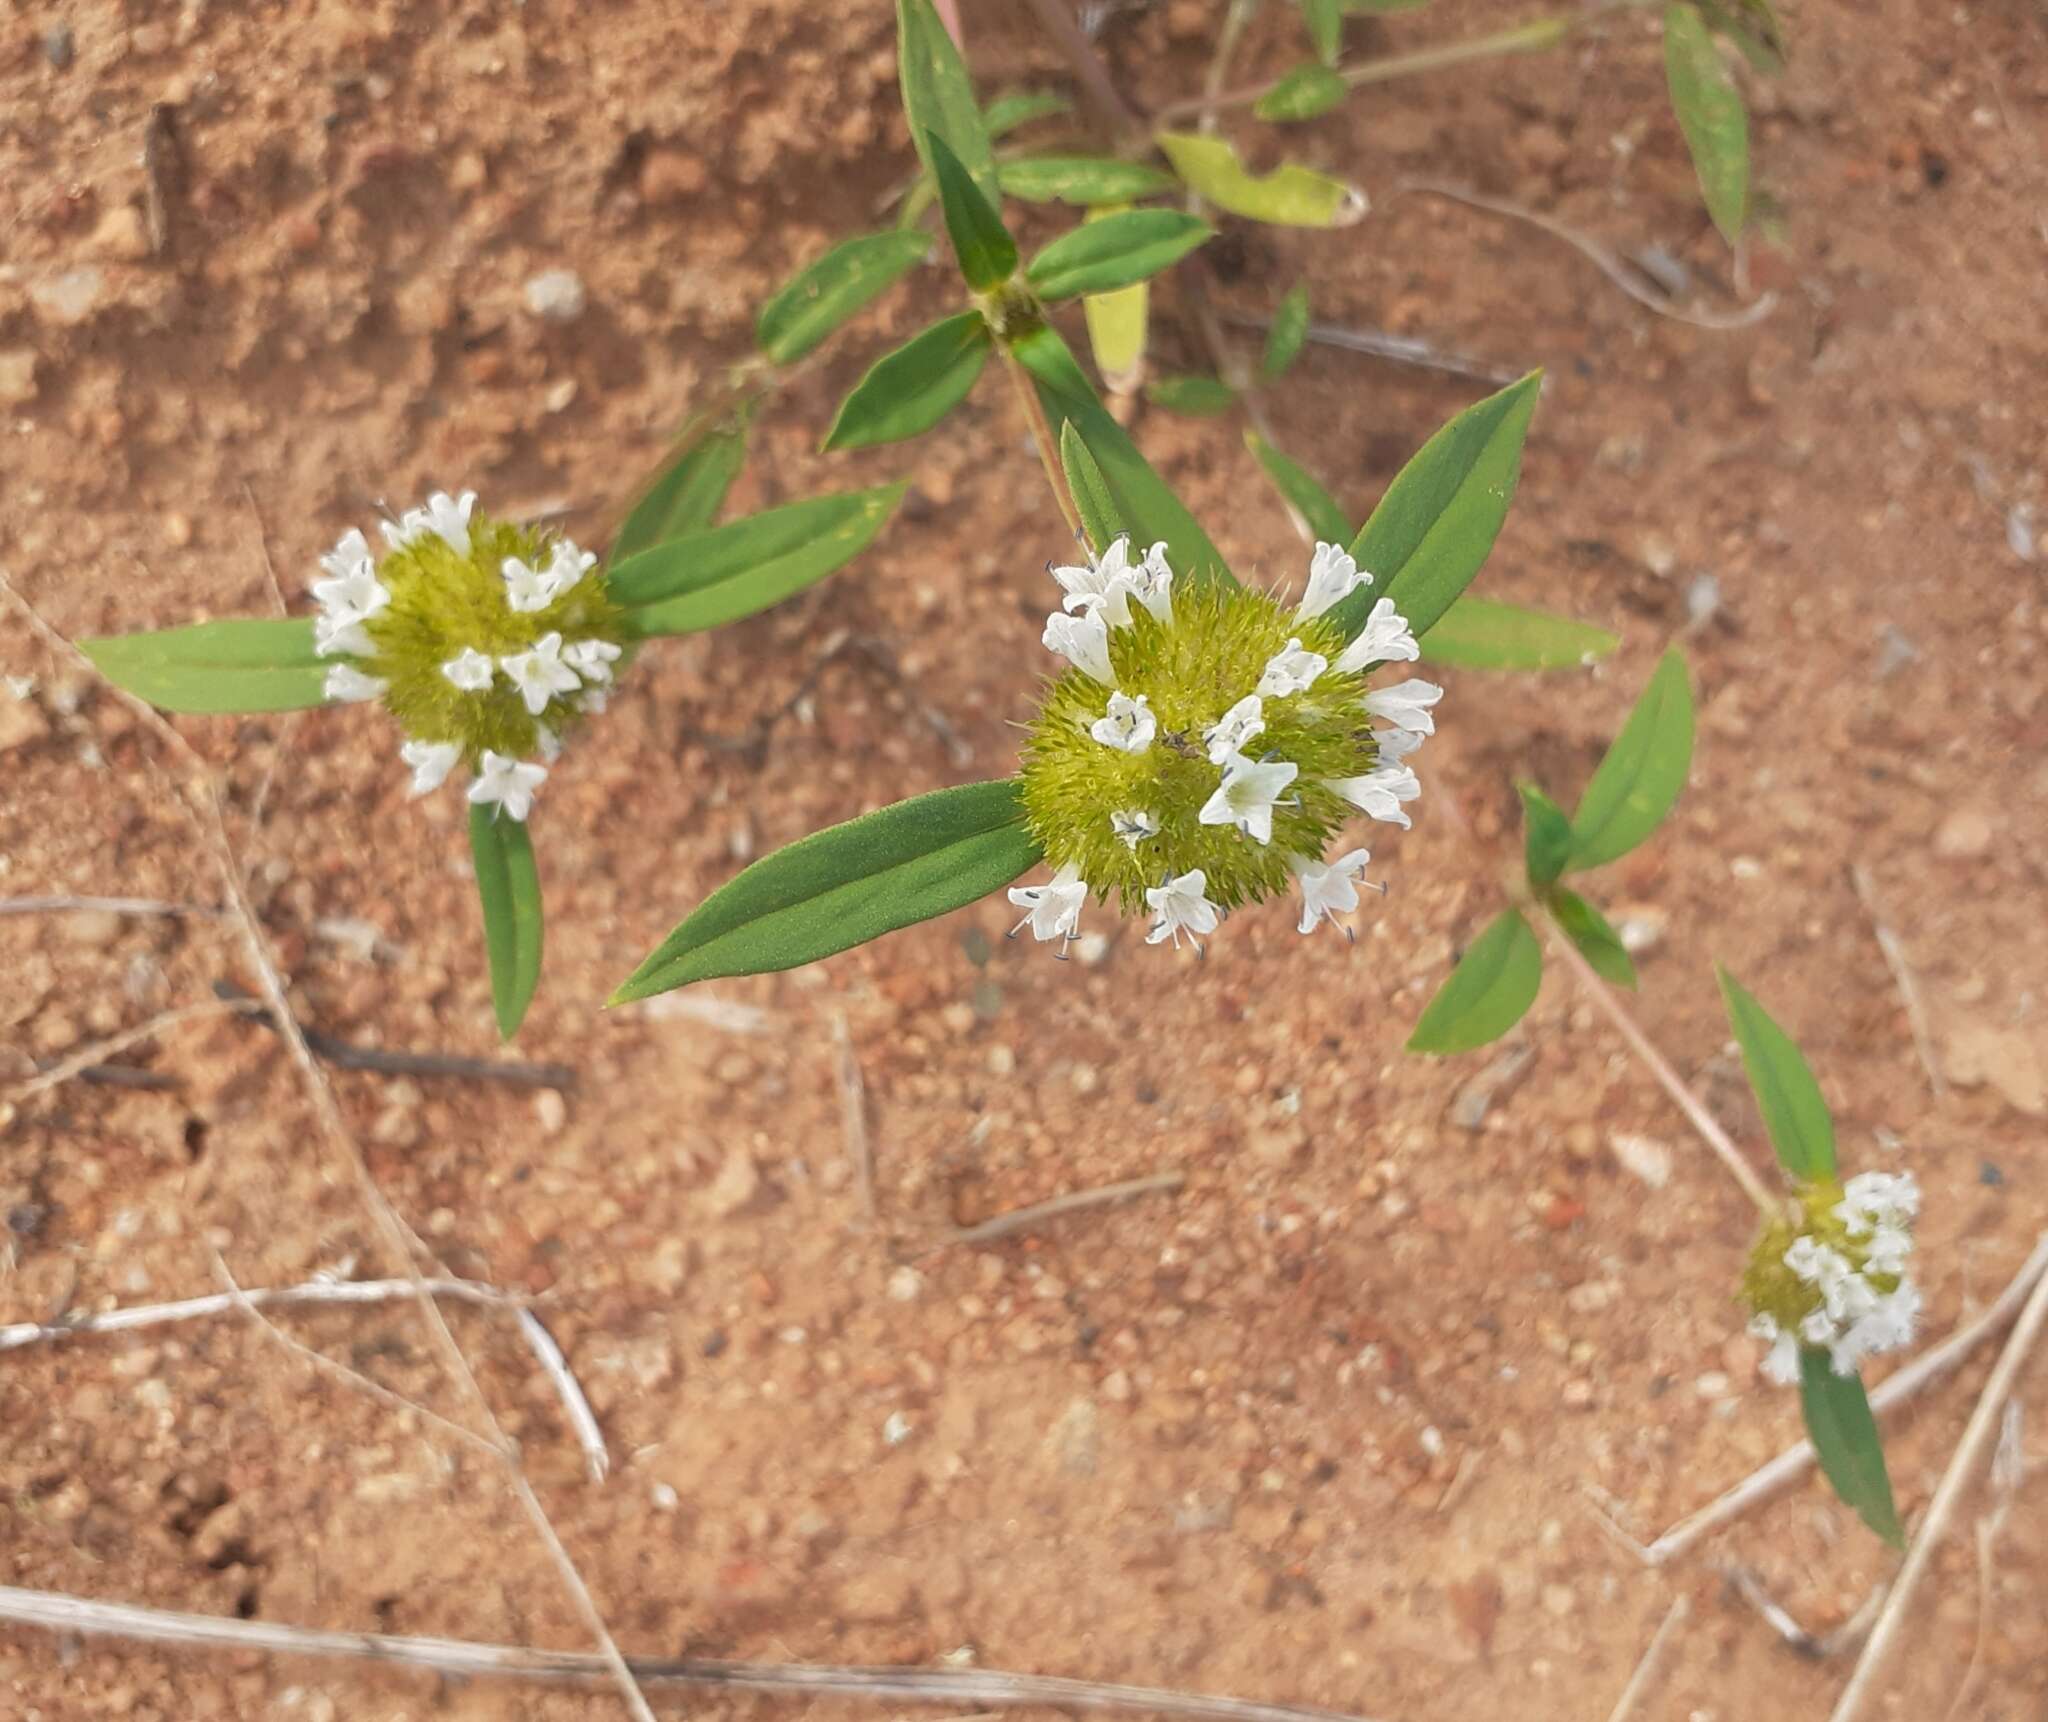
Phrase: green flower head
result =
(1207, 743)
(484, 639)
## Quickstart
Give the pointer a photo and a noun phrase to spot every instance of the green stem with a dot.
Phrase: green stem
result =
(1041, 435)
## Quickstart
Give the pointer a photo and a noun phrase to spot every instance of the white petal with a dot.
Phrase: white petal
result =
(1406, 705)
(1384, 639)
(1291, 670)
(1129, 725)
(1084, 642)
(1328, 889)
(470, 670)
(1379, 793)
(332, 638)
(431, 762)
(1053, 910)
(1332, 577)
(1246, 796)
(345, 682)
(1236, 727)
(1181, 906)
(508, 782)
(1133, 825)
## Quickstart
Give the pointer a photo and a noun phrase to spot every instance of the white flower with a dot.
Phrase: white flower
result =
(1873, 1199)
(550, 744)
(1229, 733)
(1384, 638)
(351, 552)
(346, 682)
(1291, 670)
(351, 592)
(1406, 705)
(470, 670)
(1133, 825)
(567, 564)
(1152, 584)
(333, 636)
(431, 762)
(1246, 795)
(1394, 745)
(1781, 1362)
(508, 782)
(1887, 1250)
(1332, 577)
(592, 659)
(1129, 725)
(591, 701)
(445, 517)
(1106, 586)
(1181, 906)
(526, 588)
(1814, 1262)
(1378, 793)
(1052, 910)
(540, 674)
(1328, 889)
(1084, 642)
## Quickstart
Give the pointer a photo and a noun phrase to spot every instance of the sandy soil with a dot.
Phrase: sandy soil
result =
(1323, 1426)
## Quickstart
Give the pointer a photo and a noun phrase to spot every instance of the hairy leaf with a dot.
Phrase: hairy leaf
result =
(1090, 491)
(1546, 836)
(938, 95)
(1302, 94)
(1019, 107)
(1286, 333)
(1193, 396)
(986, 252)
(686, 495)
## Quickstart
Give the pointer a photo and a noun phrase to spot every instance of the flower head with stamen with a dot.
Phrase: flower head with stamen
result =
(1831, 1274)
(486, 640)
(1205, 742)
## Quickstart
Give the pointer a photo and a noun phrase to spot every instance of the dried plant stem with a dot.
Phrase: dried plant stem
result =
(1894, 953)
(1395, 349)
(88, 1057)
(201, 797)
(1041, 435)
(1652, 1663)
(1057, 18)
(1023, 1219)
(460, 1657)
(103, 906)
(1970, 1454)
(1668, 1079)
(1792, 1464)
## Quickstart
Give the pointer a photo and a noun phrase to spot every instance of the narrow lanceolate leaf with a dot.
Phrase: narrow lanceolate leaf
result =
(1195, 397)
(240, 666)
(1796, 1117)
(1546, 836)
(509, 886)
(908, 391)
(1494, 983)
(1289, 196)
(1753, 27)
(1480, 634)
(832, 289)
(1084, 180)
(1019, 107)
(987, 253)
(1433, 529)
(1316, 506)
(1640, 777)
(1286, 333)
(717, 576)
(1302, 94)
(1144, 502)
(938, 95)
(1325, 21)
(842, 887)
(1844, 1436)
(1090, 491)
(1711, 114)
(686, 495)
(1117, 251)
(1598, 942)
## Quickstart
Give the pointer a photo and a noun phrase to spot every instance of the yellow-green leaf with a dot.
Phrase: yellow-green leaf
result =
(1289, 196)
(1711, 114)
(1084, 180)
(1302, 94)
(1478, 633)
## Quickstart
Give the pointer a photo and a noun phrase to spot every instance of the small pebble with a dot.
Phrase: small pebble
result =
(60, 47)
(1964, 835)
(896, 1430)
(1712, 1385)
(556, 296)
(905, 1284)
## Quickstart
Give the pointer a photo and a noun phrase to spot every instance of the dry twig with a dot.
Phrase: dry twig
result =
(104, 906)
(1894, 953)
(461, 1657)
(95, 1055)
(1395, 349)
(1023, 1219)
(1816, 1645)
(853, 1112)
(554, 1365)
(1651, 1664)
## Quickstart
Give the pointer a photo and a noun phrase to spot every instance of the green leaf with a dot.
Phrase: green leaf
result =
(1598, 942)
(1144, 502)
(1117, 327)
(1304, 495)
(1117, 251)
(1019, 107)
(1080, 179)
(908, 391)
(1286, 333)
(1546, 835)
(686, 495)
(509, 887)
(1796, 1117)
(237, 666)
(1289, 196)
(987, 253)
(1644, 769)
(708, 578)
(1302, 94)
(1480, 634)
(1196, 397)
(1844, 1436)
(1325, 21)
(842, 887)
(1712, 116)
(832, 289)
(1090, 491)
(938, 96)
(1494, 983)
(1753, 27)
(1433, 529)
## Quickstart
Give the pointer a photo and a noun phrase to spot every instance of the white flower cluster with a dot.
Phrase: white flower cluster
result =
(1098, 600)
(352, 594)
(1853, 1316)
